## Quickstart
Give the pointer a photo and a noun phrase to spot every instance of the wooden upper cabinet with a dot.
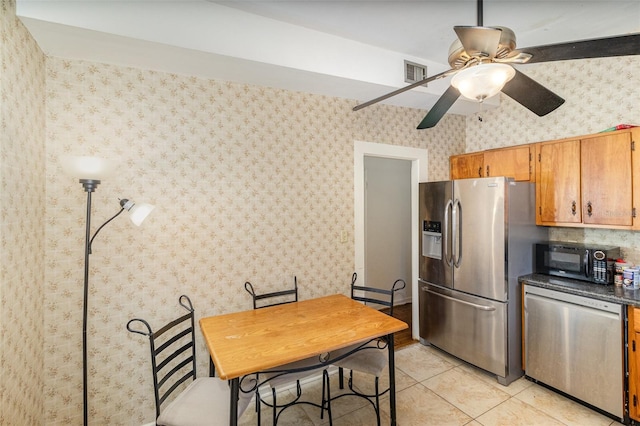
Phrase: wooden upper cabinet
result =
(607, 180)
(558, 183)
(510, 162)
(466, 166)
(587, 181)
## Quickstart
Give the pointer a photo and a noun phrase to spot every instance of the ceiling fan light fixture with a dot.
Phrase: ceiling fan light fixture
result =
(482, 81)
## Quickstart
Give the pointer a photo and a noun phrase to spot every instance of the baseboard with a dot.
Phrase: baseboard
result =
(403, 301)
(316, 376)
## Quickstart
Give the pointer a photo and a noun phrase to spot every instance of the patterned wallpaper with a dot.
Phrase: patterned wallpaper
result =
(250, 183)
(599, 94)
(22, 204)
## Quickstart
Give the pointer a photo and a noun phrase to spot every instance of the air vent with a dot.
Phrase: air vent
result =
(414, 72)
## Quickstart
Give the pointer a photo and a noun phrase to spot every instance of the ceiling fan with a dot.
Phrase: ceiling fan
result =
(481, 59)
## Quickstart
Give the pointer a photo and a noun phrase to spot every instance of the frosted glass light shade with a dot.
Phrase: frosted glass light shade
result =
(482, 81)
(85, 167)
(138, 212)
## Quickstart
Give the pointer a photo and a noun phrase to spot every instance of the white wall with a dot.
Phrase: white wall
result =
(388, 224)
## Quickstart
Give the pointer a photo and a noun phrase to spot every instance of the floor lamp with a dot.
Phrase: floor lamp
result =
(89, 171)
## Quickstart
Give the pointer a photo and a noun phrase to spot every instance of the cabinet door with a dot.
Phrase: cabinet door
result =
(558, 183)
(466, 166)
(606, 180)
(634, 360)
(510, 162)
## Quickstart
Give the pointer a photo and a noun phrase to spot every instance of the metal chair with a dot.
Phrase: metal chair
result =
(203, 401)
(285, 375)
(371, 357)
(274, 298)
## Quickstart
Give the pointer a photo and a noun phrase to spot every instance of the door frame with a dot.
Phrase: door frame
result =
(419, 173)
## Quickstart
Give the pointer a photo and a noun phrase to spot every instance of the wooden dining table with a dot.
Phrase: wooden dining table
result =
(257, 340)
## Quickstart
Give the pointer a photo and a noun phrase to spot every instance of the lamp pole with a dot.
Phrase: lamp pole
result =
(90, 170)
(89, 186)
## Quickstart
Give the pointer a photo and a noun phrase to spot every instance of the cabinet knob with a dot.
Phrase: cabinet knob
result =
(574, 208)
(589, 209)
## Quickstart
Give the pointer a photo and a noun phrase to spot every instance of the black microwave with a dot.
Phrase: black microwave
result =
(587, 262)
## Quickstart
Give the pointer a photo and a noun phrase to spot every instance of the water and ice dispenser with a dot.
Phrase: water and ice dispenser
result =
(432, 239)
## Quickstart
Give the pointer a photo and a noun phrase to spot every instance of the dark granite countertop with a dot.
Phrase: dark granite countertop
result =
(611, 293)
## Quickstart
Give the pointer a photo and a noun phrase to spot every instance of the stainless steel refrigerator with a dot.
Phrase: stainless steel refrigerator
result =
(477, 237)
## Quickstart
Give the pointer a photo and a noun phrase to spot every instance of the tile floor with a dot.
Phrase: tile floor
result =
(434, 388)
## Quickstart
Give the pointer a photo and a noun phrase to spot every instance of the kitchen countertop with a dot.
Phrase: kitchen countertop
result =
(611, 293)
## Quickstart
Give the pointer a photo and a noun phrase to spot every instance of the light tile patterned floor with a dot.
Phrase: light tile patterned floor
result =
(434, 388)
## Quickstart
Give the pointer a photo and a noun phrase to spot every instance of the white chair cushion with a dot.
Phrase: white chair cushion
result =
(371, 359)
(204, 402)
(276, 380)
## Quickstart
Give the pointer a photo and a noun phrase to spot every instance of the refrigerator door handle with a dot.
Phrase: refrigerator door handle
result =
(464, 302)
(445, 239)
(457, 234)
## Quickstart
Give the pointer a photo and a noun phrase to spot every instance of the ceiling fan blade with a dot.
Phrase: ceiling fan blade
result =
(440, 108)
(623, 45)
(403, 89)
(479, 41)
(532, 95)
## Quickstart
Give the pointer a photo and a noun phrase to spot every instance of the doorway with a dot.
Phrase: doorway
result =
(387, 224)
(418, 159)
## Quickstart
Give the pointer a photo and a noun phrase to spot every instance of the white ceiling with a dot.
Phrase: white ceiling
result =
(351, 48)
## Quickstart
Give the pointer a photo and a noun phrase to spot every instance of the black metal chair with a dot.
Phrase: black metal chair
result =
(274, 298)
(371, 357)
(203, 401)
(285, 375)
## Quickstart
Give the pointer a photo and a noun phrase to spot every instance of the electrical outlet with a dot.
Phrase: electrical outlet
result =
(343, 236)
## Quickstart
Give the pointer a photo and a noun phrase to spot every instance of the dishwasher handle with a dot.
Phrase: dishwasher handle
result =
(464, 302)
(611, 311)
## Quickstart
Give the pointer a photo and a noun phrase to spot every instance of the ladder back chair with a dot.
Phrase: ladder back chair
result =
(285, 375)
(373, 357)
(182, 399)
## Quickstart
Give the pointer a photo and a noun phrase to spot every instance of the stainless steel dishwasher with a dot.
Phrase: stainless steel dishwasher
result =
(575, 345)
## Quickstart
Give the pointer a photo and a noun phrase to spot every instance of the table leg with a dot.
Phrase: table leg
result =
(233, 406)
(392, 380)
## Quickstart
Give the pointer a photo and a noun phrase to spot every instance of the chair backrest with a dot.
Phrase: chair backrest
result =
(274, 298)
(377, 296)
(173, 352)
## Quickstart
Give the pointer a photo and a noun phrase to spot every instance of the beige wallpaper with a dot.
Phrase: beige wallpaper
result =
(599, 94)
(250, 183)
(22, 204)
